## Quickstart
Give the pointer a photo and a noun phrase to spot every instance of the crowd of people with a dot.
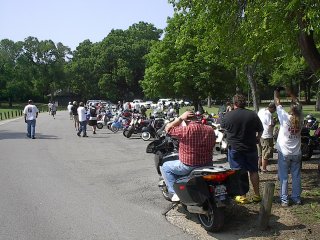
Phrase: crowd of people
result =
(249, 136)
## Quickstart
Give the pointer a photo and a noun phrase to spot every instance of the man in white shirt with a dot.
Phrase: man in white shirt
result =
(70, 111)
(266, 141)
(82, 120)
(30, 114)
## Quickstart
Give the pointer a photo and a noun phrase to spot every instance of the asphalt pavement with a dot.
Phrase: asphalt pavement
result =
(61, 186)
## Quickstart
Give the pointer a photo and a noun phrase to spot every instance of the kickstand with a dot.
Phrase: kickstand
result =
(174, 204)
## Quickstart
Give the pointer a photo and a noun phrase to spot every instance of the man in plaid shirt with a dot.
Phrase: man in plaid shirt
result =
(196, 143)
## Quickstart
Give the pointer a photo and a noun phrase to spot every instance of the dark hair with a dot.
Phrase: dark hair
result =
(29, 101)
(239, 100)
(81, 104)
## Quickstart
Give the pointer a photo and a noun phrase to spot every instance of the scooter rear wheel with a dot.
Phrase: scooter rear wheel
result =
(214, 220)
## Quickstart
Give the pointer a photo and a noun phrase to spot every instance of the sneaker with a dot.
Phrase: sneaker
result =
(175, 198)
(297, 202)
(33, 137)
(284, 204)
(256, 199)
(241, 200)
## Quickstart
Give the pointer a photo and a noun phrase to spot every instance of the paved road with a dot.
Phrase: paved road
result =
(60, 186)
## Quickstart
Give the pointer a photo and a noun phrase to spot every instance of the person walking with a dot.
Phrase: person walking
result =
(70, 111)
(289, 148)
(93, 110)
(53, 110)
(75, 115)
(265, 147)
(30, 115)
(196, 142)
(82, 120)
(244, 130)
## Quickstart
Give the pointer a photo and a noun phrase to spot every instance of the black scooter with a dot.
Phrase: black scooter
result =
(206, 191)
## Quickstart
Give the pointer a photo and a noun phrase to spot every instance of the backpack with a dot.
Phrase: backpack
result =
(93, 112)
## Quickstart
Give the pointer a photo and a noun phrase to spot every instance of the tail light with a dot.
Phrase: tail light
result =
(218, 177)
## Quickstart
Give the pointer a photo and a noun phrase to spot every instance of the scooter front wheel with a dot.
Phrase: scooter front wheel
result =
(114, 129)
(146, 136)
(212, 221)
(99, 125)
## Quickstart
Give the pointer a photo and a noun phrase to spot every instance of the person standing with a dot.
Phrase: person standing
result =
(196, 142)
(82, 120)
(70, 111)
(289, 148)
(30, 115)
(244, 130)
(265, 146)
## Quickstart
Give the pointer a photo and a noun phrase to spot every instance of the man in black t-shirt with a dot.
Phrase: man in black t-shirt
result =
(244, 130)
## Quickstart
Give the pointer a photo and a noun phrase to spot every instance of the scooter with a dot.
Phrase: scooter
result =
(206, 191)
(150, 131)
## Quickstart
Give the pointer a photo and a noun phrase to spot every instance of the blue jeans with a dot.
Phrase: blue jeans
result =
(31, 128)
(172, 170)
(290, 163)
(83, 128)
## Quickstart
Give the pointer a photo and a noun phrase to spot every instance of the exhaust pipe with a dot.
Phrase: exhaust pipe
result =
(195, 209)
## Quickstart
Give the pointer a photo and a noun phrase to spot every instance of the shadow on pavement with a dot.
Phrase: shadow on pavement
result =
(21, 135)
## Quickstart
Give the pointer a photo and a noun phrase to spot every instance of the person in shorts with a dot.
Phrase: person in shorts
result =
(244, 129)
(265, 147)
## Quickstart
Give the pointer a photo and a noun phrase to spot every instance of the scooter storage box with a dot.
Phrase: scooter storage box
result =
(191, 191)
(238, 183)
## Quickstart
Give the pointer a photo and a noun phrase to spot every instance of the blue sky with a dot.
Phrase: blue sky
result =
(73, 21)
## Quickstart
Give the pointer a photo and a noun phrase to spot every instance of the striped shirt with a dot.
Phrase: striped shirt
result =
(196, 143)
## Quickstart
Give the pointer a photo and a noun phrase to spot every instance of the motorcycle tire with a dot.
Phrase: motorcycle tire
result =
(146, 136)
(214, 220)
(114, 129)
(306, 151)
(125, 132)
(99, 125)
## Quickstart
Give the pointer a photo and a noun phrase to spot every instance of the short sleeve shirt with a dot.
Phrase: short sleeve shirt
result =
(196, 143)
(267, 122)
(30, 111)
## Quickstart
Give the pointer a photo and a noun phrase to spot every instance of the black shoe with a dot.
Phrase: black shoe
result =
(33, 137)
(85, 136)
(28, 136)
(78, 134)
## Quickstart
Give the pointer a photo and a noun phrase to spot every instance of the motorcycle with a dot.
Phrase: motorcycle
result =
(309, 142)
(135, 127)
(206, 191)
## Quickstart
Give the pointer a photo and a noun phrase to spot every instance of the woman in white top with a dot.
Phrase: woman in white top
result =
(289, 148)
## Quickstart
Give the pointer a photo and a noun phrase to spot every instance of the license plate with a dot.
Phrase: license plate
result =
(220, 190)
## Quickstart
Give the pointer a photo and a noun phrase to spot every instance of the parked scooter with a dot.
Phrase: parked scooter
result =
(104, 118)
(150, 131)
(206, 191)
(135, 127)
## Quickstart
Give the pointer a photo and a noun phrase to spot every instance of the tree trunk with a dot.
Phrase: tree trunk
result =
(309, 50)
(209, 101)
(253, 86)
(310, 53)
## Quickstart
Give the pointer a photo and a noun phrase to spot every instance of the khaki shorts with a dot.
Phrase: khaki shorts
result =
(265, 148)
(76, 118)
